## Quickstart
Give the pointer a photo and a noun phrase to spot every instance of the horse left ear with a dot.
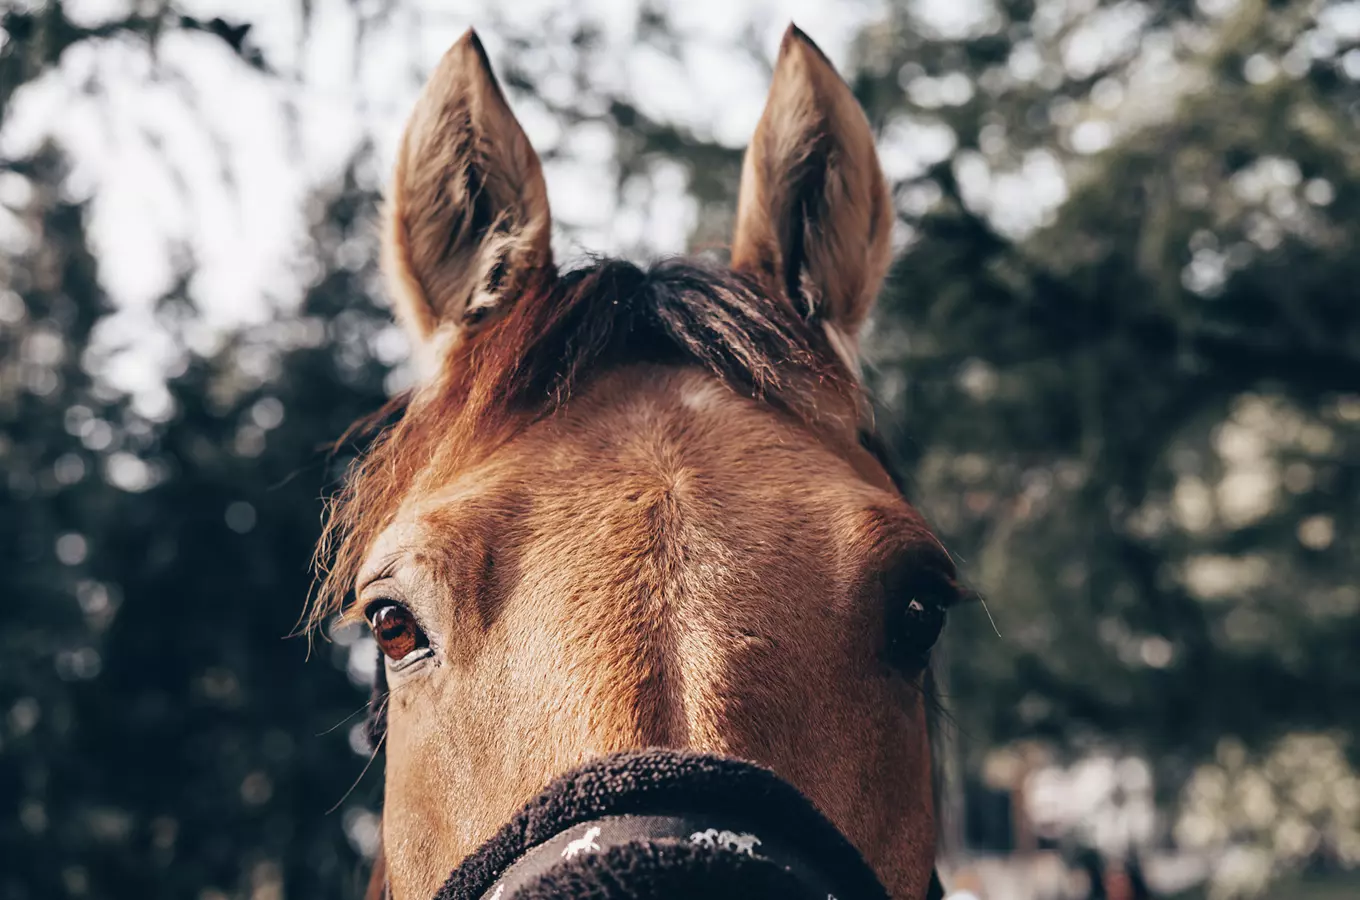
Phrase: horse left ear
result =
(814, 219)
(468, 226)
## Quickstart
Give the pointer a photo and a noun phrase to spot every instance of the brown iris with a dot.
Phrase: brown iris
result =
(395, 630)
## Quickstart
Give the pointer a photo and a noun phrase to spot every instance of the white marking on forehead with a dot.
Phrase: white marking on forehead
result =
(702, 394)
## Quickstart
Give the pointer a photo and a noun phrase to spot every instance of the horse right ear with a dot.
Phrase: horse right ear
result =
(467, 223)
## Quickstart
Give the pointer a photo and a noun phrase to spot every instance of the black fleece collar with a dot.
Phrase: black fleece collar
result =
(689, 837)
(666, 825)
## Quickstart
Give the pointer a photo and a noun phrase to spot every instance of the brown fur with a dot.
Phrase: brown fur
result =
(469, 207)
(814, 219)
(634, 510)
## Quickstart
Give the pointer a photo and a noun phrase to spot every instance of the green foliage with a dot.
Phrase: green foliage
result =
(165, 729)
(164, 732)
(1138, 423)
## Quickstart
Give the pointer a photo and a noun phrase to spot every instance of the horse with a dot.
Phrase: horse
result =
(638, 507)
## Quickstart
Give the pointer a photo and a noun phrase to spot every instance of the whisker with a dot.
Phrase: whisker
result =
(983, 601)
(366, 705)
(368, 765)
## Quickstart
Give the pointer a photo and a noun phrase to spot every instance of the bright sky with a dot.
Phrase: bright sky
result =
(216, 162)
(212, 161)
(208, 162)
(214, 119)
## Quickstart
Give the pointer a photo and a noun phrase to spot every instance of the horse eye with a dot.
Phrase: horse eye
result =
(395, 630)
(914, 625)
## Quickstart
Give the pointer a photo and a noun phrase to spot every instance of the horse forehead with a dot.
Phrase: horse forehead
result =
(679, 430)
(646, 447)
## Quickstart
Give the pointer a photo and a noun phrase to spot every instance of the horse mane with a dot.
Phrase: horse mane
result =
(527, 364)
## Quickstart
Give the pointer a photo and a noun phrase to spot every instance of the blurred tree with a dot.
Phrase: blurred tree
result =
(57, 427)
(160, 732)
(1121, 353)
(1136, 411)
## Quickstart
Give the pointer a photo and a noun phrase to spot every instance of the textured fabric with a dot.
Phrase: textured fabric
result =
(668, 783)
(662, 872)
(707, 847)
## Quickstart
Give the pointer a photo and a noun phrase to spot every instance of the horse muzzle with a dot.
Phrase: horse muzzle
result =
(665, 825)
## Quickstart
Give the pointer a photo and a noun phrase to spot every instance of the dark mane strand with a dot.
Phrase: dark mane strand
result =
(677, 311)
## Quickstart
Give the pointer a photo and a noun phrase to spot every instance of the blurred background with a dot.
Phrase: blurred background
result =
(1119, 354)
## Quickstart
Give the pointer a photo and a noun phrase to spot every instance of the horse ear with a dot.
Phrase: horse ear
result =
(467, 221)
(814, 218)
